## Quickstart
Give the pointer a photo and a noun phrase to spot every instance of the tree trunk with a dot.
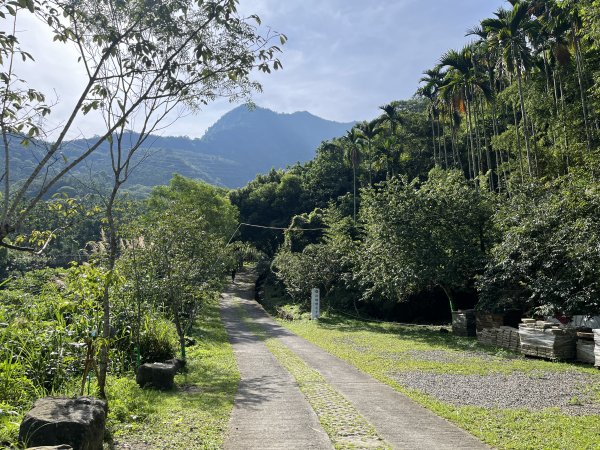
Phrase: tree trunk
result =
(523, 114)
(471, 156)
(488, 149)
(564, 123)
(178, 326)
(433, 137)
(581, 88)
(449, 295)
(518, 138)
(112, 258)
(354, 190)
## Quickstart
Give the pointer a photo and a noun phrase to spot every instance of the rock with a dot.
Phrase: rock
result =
(52, 447)
(76, 422)
(178, 363)
(158, 375)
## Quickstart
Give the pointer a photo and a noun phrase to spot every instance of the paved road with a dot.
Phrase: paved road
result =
(270, 412)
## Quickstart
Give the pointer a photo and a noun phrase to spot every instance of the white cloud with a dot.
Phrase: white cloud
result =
(343, 59)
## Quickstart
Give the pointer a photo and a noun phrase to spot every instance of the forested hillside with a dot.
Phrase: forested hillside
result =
(240, 145)
(483, 188)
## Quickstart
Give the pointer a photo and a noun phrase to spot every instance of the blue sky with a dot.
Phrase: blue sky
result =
(343, 59)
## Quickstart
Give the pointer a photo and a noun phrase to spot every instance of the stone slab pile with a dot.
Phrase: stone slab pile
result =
(464, 323)
(503, 336)
(596, 347)
(488, 320)
(585, 347)
(547, 340)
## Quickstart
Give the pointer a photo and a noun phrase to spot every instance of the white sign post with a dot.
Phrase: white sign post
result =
(315, 304)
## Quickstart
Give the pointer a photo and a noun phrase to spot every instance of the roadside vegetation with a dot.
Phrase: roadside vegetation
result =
(196, 413)
(387, 351)
(163, 297)
(480, 190)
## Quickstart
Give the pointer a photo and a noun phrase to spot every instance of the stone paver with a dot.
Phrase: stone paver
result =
(401, 422)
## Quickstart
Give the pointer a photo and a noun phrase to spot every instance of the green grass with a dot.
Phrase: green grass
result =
(383, 350)
(195, 414)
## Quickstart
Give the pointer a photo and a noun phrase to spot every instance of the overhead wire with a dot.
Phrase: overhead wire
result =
(281, 228)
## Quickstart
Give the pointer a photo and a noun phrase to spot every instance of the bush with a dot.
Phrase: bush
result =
(548, 258)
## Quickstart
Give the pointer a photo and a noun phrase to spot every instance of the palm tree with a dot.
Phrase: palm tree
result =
(370, 130)
(393, 118)
(456, 88)
(350, 145)
(353, 139)
(509, 30)
(433, 79)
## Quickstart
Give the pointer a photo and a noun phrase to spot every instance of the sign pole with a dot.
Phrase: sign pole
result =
(315, 304)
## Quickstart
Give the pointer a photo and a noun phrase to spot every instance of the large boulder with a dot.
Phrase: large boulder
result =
(77, 422)
(157, 375)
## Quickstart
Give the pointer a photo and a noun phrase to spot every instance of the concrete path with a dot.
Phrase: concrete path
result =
(397, 419)
(269, 411)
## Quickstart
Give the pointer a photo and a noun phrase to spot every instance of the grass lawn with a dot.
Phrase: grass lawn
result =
(385, 350)
(193, 416)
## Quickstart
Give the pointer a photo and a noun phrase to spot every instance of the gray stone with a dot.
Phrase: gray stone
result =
(157, 375)
(76, 422)
(52, 447)
(178, 363)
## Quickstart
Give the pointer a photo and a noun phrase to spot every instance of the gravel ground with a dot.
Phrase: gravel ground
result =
(443, 356)
(569, 391)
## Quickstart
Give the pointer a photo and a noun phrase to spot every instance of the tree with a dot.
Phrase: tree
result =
(546, 260)
(433, 80)
(391, 116)
(509, 32)
(353, 140)
(185, 234)
(320, 259)
(423, 235)
(187, 51)
(370, 130)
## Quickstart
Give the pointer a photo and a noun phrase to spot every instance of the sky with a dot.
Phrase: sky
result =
(343, 58)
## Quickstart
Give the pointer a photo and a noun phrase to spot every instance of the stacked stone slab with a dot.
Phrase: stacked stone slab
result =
(464, 323)
(488, 320)
(597, 347)
(585, 347)
(504, 336)
(547, 340)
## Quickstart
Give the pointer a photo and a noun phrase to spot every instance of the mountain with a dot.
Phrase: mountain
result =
(263, 138)
(240, 145)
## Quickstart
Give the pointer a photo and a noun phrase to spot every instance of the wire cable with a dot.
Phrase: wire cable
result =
(281, 228)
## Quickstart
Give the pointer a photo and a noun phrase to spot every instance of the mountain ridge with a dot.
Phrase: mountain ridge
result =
(241, 144)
